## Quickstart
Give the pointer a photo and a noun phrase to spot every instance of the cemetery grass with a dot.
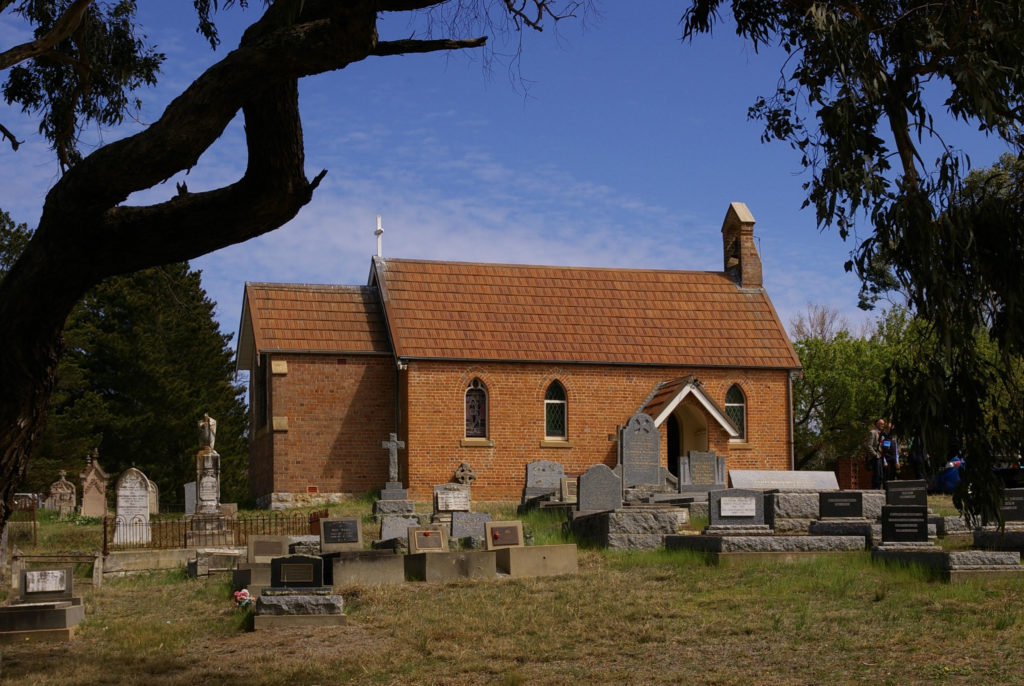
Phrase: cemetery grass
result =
(626, 617)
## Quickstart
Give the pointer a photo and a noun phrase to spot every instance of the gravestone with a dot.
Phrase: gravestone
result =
(263, 548)
(131, 523)
(427, 539)
(766, 479)
(736, 511)
(62, 496)
(841, 504)
(570, 489)
(504, 535)
(394, 527)
(451, 498)
(190, 498)
(465, 474)
(599, 489)
(208, 526)
(543, 477)
(297, 595)
(904, 524)
(394, 498)
(154, 498)
(1013, 505)
(94, 488)
(344, 533)
(471, 525)
(640, 452)
(45, 608)
(701, 472)
(906, 493)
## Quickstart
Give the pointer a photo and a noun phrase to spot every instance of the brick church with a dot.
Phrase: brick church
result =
(498, 365)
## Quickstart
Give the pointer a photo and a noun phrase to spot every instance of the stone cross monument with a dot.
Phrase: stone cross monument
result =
(394, 499)
(393, 446)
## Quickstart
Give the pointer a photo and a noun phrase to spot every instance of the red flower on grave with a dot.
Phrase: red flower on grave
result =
(496, 535)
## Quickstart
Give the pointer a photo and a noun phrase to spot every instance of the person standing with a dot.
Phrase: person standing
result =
(873, 454)
(890, 448)
(918, 456)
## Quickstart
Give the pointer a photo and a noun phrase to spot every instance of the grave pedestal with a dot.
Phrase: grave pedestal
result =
(538, 560)
(365, 567)
(208, 530)
(319, 606)
(480, 564)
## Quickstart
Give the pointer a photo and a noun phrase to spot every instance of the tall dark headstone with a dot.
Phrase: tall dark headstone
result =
(640, 452)
(841, 505)
(904, 524)
(906, 493)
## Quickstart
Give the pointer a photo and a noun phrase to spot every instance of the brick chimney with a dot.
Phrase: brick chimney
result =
(742, 263)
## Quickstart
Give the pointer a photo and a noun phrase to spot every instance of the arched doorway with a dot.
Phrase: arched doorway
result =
(687, 430)
(673, 438)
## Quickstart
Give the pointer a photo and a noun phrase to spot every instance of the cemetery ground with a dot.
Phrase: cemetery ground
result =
(625, 617)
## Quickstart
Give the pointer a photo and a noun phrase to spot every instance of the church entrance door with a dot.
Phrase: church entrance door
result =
(687, 430)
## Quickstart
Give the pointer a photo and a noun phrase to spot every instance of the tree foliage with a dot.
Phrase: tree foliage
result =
(70, 74)
(143, 361)
(855, 100)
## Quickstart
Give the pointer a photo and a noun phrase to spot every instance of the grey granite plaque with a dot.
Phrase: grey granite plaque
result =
(840, 504)
(397, 526)
(904, 524)
(599, 489)
(263, 548)
(340, 534)
(783, 480)
(906, 493)
(735, 507)
(701, 472)
(640, 452)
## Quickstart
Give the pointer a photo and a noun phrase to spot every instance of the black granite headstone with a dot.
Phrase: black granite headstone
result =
(906, 493)
(340, 530)
(904, 524)
(833, 504)
(1013, 505)
(297, 571)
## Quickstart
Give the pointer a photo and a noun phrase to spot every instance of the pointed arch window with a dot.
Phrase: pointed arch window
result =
(476, 410)
(556, 412)
(736, 409)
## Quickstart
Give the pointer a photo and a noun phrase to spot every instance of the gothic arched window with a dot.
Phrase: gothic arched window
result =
(476, 410)
(736, 408)
(556, 414)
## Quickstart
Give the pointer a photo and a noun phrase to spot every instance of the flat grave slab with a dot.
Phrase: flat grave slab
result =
(954, 566)
(783, 480)
(470, 564)
(365, 568)
(538, 560)
(730, 549)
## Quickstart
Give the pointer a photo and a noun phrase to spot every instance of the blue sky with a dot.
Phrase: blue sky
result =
(625, 151)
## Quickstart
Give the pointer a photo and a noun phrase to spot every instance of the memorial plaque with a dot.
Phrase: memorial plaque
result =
(640, 452)
(263, 548)
(701, 471)
(906, 493)
(904, 524)
(451, 498)
(297, 571)
(842, 504)
(504, 535)
(737, 507)
(599, 489)
(1013, 505)
(46, 585)
(397, 526)
(427, 539)
(337, 535)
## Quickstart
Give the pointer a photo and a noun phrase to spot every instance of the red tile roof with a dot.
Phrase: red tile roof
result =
(310, 318)
(457, 310)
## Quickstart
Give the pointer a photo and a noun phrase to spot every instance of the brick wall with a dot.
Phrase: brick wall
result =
(599, 399)
(337, 410)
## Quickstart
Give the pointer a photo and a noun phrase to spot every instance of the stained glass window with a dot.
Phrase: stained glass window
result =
(556, 418)
(736, 408)
(476, 410)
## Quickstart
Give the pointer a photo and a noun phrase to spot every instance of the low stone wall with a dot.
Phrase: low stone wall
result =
(123, 562)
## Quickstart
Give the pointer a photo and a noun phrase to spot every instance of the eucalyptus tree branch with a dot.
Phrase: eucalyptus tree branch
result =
(67, 24)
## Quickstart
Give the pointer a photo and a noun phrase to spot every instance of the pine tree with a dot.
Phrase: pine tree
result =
(143, 361)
